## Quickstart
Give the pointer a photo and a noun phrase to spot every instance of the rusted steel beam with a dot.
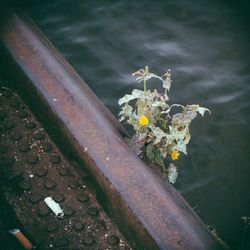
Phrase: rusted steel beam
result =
(147, 210)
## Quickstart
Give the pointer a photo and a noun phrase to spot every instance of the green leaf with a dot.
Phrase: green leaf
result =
(181, 119)
(121, 118)
(202, 110)
(125, 99)
(172, 173)
(181, 146)
(153, 153)
(197, 108)
(158, 133)
(136, 93)
(150, 151)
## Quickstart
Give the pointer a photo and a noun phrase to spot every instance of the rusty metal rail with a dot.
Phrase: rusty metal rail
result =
(148, 211)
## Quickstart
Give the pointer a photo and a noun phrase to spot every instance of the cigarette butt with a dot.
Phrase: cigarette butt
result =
(22, 239)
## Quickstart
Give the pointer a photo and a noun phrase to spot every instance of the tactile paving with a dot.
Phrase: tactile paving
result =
(33, 168)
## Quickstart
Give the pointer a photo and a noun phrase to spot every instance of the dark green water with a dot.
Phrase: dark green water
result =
(206, 44)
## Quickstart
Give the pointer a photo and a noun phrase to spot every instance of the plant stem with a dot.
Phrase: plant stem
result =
(145, 86)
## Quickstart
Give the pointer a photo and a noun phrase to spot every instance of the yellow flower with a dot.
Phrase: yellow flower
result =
(143, 121)
(175, 155)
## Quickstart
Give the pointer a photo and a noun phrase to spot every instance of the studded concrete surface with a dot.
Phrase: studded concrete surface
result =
(33, 168)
